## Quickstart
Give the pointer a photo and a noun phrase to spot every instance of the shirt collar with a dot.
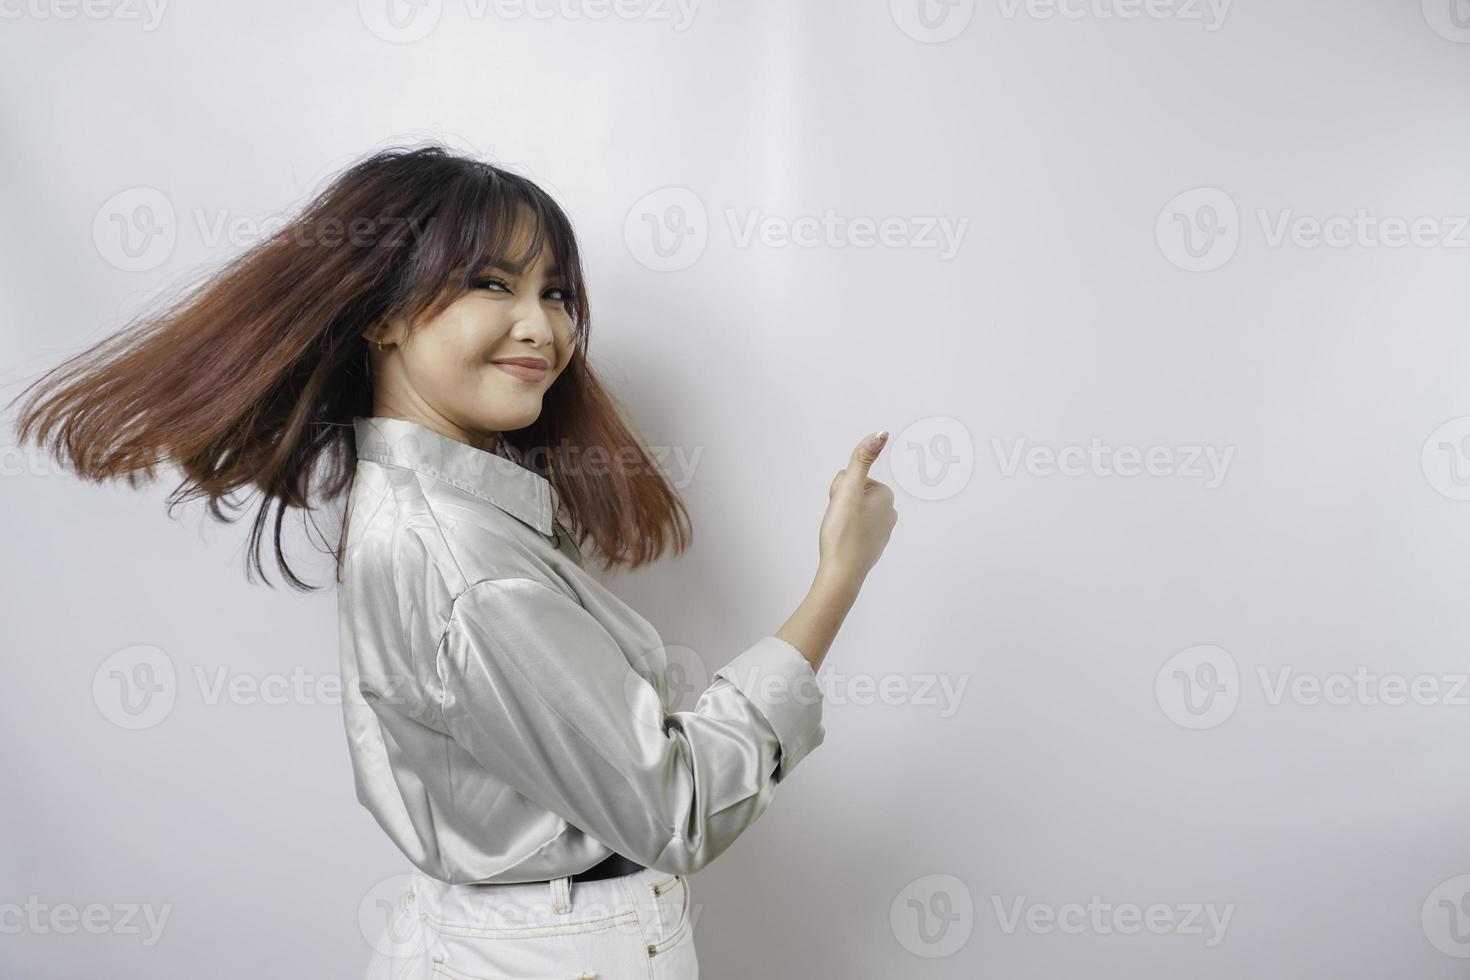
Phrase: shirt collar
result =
(520, 492)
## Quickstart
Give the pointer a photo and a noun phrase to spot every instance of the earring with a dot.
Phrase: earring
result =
(380, 346)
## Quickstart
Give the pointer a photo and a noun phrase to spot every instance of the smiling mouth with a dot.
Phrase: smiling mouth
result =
(522, 371)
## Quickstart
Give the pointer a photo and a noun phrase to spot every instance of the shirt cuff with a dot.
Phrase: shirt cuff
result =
(776, 678)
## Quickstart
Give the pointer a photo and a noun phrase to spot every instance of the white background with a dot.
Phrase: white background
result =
(1071, 615)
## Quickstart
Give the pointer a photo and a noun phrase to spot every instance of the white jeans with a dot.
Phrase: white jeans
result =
(633, 927)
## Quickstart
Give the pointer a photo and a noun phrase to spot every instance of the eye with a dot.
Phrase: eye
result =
(564, 295)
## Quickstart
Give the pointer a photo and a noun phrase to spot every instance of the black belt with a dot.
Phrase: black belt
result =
(609, 867)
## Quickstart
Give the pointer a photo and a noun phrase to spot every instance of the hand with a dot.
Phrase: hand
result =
(859, 518)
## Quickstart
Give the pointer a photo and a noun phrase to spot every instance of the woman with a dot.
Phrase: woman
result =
(416, 342)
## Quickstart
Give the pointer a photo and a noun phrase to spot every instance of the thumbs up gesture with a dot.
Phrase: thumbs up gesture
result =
(859, 518)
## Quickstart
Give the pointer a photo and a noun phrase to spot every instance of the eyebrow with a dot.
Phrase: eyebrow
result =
(516, 268)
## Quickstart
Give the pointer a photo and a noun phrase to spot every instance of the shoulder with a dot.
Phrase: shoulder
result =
(394, 547)
(428, 530)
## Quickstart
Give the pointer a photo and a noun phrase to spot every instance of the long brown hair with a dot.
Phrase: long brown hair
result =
(251, 380)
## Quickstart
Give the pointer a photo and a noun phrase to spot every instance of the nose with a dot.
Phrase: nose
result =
(531, 323)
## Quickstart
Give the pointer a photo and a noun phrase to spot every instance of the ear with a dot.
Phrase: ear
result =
(385, 333)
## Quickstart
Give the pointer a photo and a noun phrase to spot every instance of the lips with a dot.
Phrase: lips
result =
(524, 368)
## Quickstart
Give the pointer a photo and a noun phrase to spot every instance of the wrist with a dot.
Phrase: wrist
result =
(836, 584)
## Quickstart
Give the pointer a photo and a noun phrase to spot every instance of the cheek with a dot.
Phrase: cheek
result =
(477, 334)
(566, 345)
(448, 357)
(452, 350)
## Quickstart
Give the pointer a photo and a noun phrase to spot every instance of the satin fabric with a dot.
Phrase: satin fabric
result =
(508, 717)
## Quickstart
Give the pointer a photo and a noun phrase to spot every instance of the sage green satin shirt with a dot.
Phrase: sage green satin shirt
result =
(508, 717)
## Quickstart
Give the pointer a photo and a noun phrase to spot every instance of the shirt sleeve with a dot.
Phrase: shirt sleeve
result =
(542, 695)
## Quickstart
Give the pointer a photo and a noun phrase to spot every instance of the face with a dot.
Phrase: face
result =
(454, 373)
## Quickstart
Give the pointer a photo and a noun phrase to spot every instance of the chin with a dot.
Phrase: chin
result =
(509, 422)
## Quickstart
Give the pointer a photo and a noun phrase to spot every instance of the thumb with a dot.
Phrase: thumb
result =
(863, 456)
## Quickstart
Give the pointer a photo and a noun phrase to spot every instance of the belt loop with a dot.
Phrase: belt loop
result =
(561, 894)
